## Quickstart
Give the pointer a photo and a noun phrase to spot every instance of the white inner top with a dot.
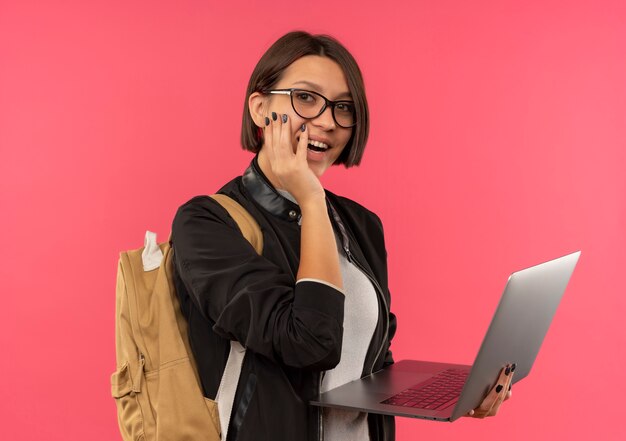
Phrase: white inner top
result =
(359, 323)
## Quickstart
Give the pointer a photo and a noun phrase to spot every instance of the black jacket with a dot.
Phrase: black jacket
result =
(292, 331)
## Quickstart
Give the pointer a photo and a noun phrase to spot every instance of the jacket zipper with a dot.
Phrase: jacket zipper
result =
(382, 296)
(345, 245)
(357, 264)
(320, 411)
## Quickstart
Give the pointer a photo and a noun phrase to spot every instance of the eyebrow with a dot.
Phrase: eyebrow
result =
(318, 88)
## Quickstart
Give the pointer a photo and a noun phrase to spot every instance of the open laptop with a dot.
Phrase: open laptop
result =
(519, 325)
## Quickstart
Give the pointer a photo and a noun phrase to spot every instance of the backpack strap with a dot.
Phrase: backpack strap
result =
(247, 224)
(228, 385)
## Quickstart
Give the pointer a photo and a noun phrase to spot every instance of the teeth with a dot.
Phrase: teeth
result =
(318, 144)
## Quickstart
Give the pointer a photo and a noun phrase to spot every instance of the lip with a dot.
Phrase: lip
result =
(317, 156)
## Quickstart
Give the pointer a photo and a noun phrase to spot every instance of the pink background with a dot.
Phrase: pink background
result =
(497, 142)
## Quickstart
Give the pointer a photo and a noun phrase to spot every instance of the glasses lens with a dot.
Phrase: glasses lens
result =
(306, 104)
(309, 105)
(344, 113)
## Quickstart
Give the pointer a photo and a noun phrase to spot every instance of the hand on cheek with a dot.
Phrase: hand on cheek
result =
(289, 165)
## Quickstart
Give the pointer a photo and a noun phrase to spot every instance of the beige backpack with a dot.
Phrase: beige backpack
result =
(156, 385)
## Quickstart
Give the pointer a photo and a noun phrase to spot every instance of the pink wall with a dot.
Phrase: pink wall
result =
(497, 141)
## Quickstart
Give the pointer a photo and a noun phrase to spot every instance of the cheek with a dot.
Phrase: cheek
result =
(346, 140)
(295, 120)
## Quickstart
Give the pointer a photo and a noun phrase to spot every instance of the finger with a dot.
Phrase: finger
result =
(302, 144)
(509, 384)
(478, 413)
(268, 138)
(501, 393)
(286, 137)
(486, 406)
(508, 372)
(279, 144)
(276, 129)
(502, 389)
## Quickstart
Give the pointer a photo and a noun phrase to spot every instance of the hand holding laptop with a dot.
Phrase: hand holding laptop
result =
(447, 391)
(499, 393)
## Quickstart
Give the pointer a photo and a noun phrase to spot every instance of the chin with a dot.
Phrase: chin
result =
(317, 169)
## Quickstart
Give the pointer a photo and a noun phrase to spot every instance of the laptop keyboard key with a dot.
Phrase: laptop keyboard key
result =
(438, 392)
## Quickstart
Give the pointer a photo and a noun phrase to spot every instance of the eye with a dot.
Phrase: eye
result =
(345, 107)
(304, 96)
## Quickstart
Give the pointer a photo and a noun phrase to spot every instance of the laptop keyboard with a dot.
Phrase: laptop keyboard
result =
(436, 393)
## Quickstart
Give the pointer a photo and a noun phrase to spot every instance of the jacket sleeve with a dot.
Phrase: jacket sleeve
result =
(249, 298)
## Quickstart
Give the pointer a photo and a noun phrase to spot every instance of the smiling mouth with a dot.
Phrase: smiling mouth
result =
(317, 146)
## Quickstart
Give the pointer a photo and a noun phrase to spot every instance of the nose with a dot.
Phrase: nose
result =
(325, 120)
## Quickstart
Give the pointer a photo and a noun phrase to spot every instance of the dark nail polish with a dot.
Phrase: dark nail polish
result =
(284, 118)
(513, 367)
(303, 127)
(507, 371)
(267, 121)
(498, 388)
(274, 116)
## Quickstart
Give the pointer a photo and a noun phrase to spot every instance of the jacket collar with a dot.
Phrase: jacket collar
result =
(264, 194)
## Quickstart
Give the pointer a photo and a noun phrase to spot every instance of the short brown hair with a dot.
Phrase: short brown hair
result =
(279, 57)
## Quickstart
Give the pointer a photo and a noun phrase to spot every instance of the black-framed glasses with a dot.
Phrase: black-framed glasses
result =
(309, 105)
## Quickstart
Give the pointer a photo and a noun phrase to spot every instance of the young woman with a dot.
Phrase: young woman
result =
(313, 309)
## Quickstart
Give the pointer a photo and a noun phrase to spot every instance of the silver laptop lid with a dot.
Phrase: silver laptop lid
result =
(518, 327)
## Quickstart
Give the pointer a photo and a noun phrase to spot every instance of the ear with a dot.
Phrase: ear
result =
(256, 105)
